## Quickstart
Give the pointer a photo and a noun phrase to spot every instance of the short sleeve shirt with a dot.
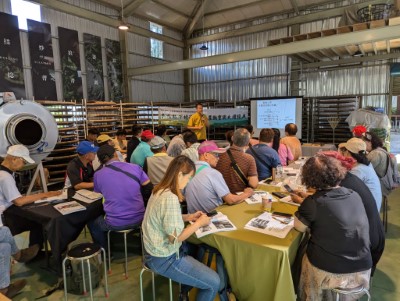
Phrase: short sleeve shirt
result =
(141, 152)
(294, 145)
(196, 120)
(246, 163)
(339, 231)
(78, 173)
(368, 175)
(268, 155)
(163, 217)
(205, 191)
(8, 189)
(123, 201)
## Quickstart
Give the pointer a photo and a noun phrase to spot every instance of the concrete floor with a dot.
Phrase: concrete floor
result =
(385, 284)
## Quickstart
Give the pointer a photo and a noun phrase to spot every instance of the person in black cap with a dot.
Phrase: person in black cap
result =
(122, 185)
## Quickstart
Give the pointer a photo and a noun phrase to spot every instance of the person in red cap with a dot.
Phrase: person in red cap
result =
(143, 150)
(359, 130)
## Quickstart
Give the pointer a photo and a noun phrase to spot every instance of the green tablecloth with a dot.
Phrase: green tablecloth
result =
(258, 265)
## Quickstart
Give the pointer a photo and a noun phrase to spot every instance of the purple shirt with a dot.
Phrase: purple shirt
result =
(123, 201)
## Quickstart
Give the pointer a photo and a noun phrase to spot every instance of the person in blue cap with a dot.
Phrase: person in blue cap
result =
(80, 170)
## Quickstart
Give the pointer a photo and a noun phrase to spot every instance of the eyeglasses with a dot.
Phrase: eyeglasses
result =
(216, 155)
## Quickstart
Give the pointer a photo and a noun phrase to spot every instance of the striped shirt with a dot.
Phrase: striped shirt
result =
(246, 163)
(163, 217)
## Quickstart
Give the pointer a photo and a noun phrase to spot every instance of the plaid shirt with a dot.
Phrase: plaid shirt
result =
(163, 217)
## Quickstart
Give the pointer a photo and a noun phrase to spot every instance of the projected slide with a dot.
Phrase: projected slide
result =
(276, 113)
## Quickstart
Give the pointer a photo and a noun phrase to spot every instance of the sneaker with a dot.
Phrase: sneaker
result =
(28, 254)
(15, 288)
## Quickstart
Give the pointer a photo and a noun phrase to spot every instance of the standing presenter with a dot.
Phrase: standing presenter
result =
(198, 123)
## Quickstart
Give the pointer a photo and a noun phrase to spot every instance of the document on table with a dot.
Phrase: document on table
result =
(69, 207)
(256, 198)
(87, 196)
(54, 199)
(268, 224)
(219, 223)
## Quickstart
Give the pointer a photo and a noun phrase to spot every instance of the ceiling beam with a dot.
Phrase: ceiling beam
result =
(295, 6)
(199, 13)
(358, 37)
(351, 60)
(170, 8)
(132, 6)
(321, 15)
(102, 19)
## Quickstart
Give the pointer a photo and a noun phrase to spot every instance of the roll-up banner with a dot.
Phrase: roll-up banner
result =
(11, 69)
(42, 60)
(94, 67)
(114, 69)
(70, 64)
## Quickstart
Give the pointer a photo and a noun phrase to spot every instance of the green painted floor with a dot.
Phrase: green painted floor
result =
(385, 284)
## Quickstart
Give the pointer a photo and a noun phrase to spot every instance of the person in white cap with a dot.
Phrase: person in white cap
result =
(356, 148)
(17, 156)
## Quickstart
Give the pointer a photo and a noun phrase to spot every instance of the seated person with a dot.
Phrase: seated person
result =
(192, 145)
(162, 132)
(103, 140)
(177, 145)
(164, 231)
(246, 163)
(80, 170)
(123, 200)
(208, 190)
(9, 248)
(92, 136)
(266, 157)
(338, 253)
(142, 151)
(250, 128)
(291, 141)
(156, 166)
(17, 156)
(285, 154)
(120, 142)
(134, 141)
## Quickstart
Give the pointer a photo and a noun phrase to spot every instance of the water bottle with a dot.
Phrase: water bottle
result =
(267, 202)
(279, 171)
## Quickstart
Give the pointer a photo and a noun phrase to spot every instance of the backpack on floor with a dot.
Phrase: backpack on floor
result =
(74, 279)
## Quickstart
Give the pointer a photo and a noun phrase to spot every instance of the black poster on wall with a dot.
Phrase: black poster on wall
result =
(11, 69)
(70, 64)
(42, 60)
(114, 69)
(94, 67)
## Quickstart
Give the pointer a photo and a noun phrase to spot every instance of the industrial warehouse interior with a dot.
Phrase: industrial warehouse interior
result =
(229, 150)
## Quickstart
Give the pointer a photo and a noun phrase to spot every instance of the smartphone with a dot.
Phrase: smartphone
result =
(288, 188)
(279, 194)
(282, 214)
(268, 181)
(212, 213)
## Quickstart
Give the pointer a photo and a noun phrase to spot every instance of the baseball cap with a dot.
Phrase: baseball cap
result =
(210, 146)
(358, 130)
(147, 134)
(20, 151)
(103, 138)
(105, 153)
(354, 145)
(157, 142)
(85, 147)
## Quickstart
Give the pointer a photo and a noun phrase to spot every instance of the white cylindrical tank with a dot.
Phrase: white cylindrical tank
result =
(29, 123)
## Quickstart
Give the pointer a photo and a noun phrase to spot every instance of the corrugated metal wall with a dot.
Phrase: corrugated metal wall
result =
(241, 80)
